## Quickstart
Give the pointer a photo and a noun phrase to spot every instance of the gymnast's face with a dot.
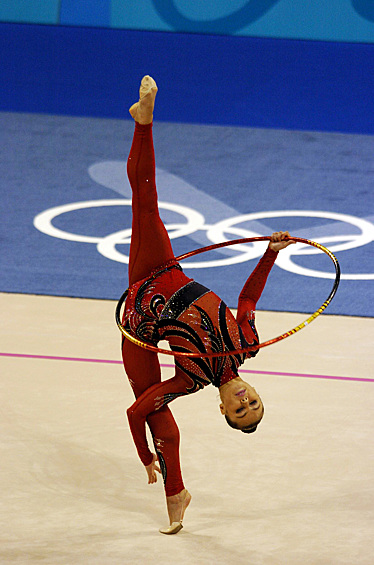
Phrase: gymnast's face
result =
(241, 404)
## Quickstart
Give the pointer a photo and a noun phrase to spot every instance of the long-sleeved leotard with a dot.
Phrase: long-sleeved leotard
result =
(170, 306)
(165, 304)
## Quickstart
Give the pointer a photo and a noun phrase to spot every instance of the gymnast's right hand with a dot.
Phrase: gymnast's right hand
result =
(151, 470)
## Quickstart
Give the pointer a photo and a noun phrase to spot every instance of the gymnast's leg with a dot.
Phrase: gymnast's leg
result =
(143, 370)
(150, 243)
(150, 248)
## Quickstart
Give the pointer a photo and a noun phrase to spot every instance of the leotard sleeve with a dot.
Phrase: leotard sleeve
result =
(251, 293)
(152, 400)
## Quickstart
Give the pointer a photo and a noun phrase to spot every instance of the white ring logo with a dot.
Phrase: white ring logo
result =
(217, 233)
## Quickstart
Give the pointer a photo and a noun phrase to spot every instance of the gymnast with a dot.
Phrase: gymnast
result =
(164, 304)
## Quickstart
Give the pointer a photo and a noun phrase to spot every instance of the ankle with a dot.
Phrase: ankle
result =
(142, 127)
(176, 498)
(177, 505)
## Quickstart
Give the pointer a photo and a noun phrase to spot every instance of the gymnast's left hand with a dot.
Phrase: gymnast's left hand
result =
(280, 240)
(151, 470)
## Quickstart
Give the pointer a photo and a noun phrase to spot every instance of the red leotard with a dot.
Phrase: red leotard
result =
(163, 303)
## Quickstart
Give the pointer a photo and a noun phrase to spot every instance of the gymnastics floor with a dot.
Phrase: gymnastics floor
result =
(74, 492)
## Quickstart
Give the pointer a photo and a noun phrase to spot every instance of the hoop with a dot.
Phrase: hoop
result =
(306, 322)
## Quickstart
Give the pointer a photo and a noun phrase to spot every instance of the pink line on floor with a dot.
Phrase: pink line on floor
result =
(55, 358)
(305, 375)
(117, 362)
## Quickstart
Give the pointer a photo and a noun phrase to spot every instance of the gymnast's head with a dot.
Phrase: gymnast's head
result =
(241, 405)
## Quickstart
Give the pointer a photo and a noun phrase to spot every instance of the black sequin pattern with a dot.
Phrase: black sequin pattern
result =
(193, 319)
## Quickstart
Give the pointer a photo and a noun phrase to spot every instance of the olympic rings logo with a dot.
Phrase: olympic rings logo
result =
(228, 228)
(235, 16)
(249, 12)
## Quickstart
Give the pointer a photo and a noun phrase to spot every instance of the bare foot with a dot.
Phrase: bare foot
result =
(142, 111)
(177, 505)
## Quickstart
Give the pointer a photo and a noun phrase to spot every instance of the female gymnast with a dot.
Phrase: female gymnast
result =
(163, 303)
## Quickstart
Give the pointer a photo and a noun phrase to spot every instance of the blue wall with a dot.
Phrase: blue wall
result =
(267, 56)
(211, 79)
(332, 20)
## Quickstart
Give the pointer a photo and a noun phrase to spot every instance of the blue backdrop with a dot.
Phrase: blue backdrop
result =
(336, 20)
(209, 79)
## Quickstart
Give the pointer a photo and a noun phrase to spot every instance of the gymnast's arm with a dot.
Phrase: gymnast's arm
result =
(255, 284)
(152, 400)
